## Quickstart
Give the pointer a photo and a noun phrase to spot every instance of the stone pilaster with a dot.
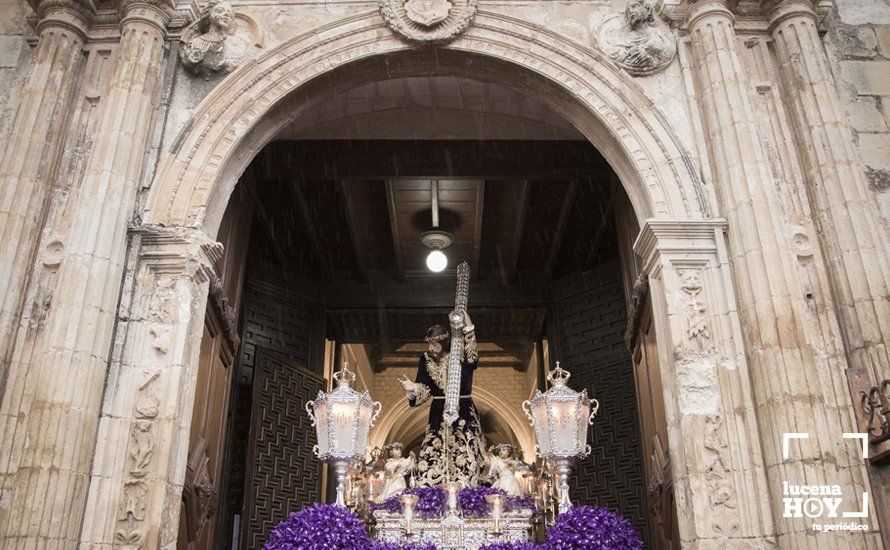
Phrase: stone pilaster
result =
(854, 244)
(719, 476)
(140, 458)
(794, 390)
(67, 371)
(33, 150)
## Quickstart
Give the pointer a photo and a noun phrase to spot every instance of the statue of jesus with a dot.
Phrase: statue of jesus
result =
(462, 444)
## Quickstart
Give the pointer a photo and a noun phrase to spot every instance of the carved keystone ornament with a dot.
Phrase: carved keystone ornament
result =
(428, 21)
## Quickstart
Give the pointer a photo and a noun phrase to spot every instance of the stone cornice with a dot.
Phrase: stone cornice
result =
(74, 15)
(87, 8)
(157, 13)
(704, 8)
(777, 11)
(177, 248)
(676, 237)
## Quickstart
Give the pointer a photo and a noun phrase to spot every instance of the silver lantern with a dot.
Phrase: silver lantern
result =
(342, 419)
(560, 417)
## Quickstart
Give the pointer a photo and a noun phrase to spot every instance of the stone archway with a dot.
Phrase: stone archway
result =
(246, 110)
(391, 420)
(681, 244)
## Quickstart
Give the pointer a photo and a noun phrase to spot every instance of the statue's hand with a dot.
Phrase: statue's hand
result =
(407, 384)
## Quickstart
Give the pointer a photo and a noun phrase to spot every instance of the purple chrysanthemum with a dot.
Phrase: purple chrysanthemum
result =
(392, 505)
(321, 527)
(430, 501)
(592, 528)
(515, 504)
(472, 500)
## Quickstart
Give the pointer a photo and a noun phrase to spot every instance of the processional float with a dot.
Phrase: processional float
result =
(560, 417)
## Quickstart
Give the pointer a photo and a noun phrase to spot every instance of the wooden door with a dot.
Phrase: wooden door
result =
(283, 475)
(653, 426)
(200, 495)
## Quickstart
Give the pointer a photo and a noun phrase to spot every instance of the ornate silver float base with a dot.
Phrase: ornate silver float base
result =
(453, 532)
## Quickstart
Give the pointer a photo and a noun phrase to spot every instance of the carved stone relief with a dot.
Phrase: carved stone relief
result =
(428, 21)
(132, 511)
(721, 492)
(698, 331)
(636, 309)
(164, 302)
(141, 447)
(140, 452)
(220, 301)
(803, 243)
(219, 40)
(636, 41)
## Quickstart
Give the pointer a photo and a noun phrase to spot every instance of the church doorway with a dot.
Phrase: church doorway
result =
(324, 264)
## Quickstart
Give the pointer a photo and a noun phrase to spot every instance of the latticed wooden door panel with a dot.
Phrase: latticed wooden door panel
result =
(283, 474)
(586, 330)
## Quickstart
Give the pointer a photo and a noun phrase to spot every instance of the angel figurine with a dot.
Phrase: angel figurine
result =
(395, 471)
(502, 465)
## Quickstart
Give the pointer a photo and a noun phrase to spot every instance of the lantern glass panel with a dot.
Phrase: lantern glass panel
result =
(583, 416)
(321, 426)
(343, 425)
(364, 424)
(564, 425)
(542, 426)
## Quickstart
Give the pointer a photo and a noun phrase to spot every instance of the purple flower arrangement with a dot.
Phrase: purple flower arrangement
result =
(515, 504)
(330, 527)
(321, 527)
(592, 528)
(431, 502)
(472, 500)
(391, 505)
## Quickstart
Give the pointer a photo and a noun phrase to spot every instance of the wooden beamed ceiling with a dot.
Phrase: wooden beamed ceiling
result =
(515, 354)
(514, 208)
(344, 220)
(461, 206)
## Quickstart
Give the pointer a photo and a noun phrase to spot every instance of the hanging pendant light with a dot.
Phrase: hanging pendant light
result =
(436, 240)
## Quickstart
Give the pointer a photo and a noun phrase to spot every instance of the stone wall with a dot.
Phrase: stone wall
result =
(506, 382)
(858, 43)
(14, 52)
(68, 266)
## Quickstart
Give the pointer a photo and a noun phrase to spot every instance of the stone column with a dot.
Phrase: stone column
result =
(67, 372)
(140, 459)
(853, 241)
(715, 449)
(855, 244)
(33, 150)
(795, 391)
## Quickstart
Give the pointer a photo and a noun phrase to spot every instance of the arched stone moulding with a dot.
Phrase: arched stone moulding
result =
(390, 420)
(234, 121)
(192, 187)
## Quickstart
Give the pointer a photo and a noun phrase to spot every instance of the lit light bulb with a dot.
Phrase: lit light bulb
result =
(437, 261)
